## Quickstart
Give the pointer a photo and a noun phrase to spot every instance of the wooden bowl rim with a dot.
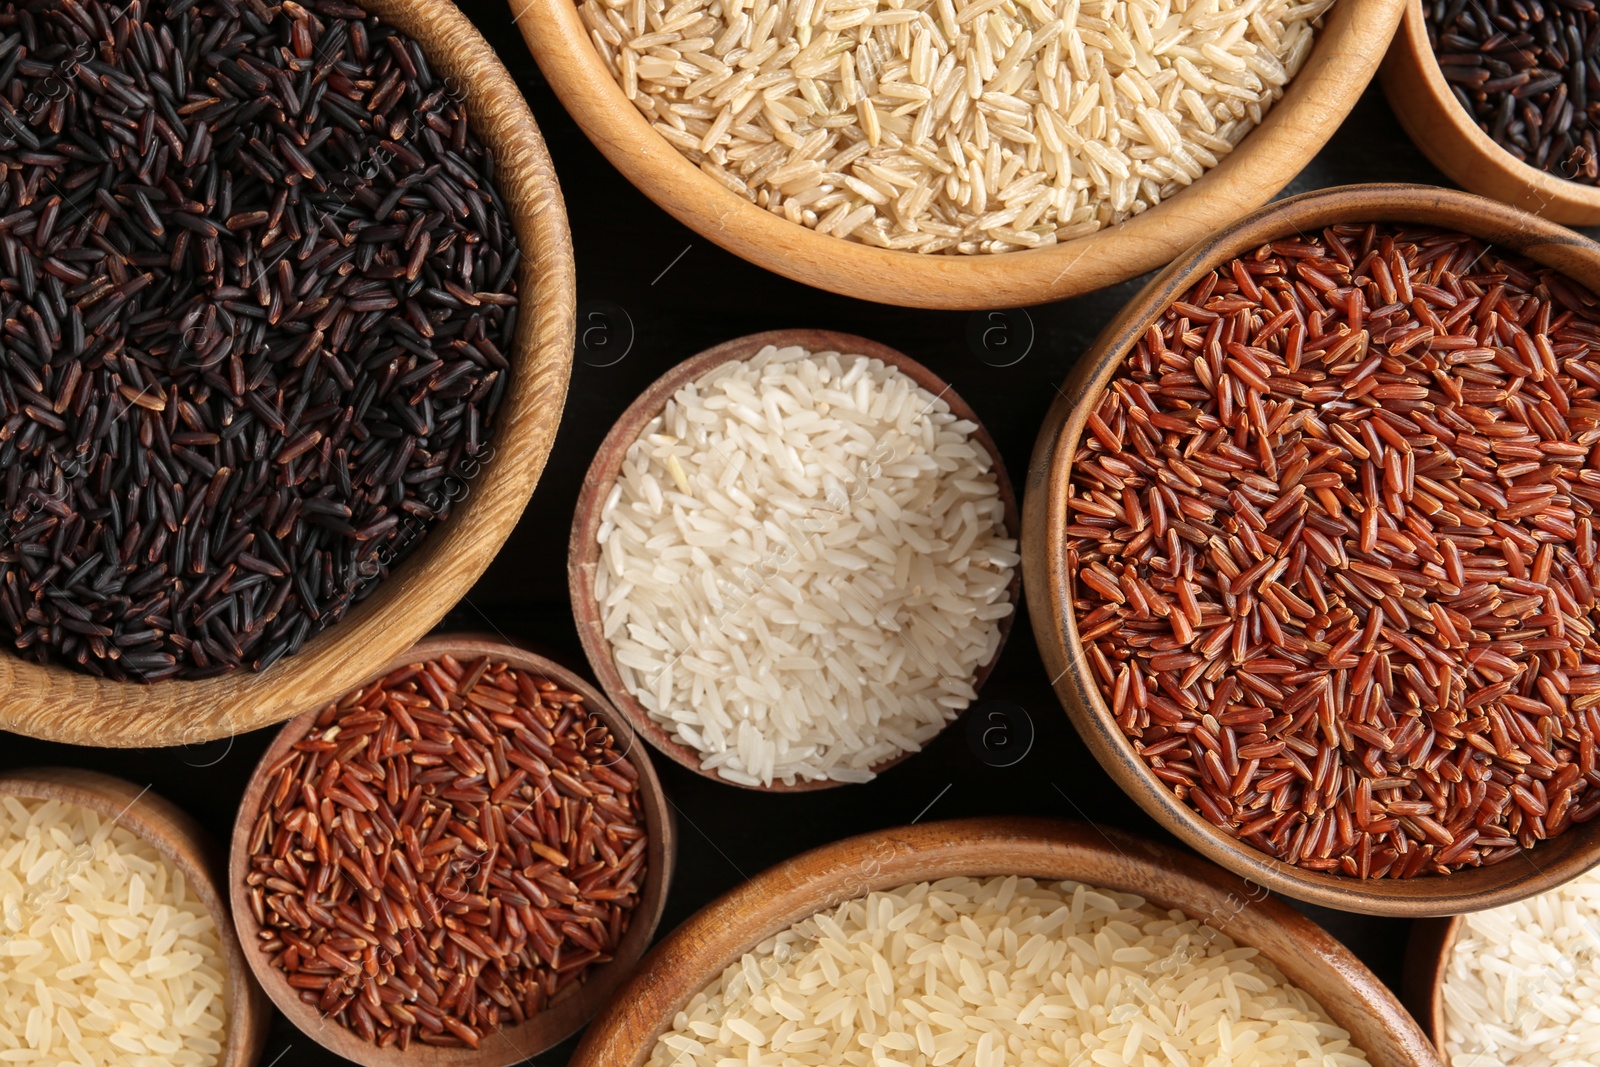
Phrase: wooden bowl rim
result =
(583, 549)
(1047, 849)
(1455, 143)
(1043, 552)
(572, 1007)
(1343, 60)
(58, 703)
(1428, 953)
(173, 833)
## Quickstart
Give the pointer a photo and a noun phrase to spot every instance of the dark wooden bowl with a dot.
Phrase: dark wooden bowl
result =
(583, 550)
(1452, 140)
(1422, 987)
(187, 847)
(717, 935)
(574, 1005)
(1048, 583)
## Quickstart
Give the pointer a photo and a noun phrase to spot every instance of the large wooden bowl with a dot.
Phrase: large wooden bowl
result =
(59, 704)
(1349, 47)
(583, 550)
(1448, 136)
(572, 1006)
(1428, 953)
(1048, 582)
(188, 848)
(720, 933)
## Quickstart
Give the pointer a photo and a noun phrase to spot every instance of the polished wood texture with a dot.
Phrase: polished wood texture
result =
(59, 704)
(188, 848)
(583, 551)
(1047, 581)
(1351, 43)
(574, 1005)
(1449, 137)
(1427, 959)
(724, 930)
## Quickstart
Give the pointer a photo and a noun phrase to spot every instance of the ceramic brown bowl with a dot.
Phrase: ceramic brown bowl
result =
(716, 936)
(583, 551)
(1048, 582)
(573, 1005)
(60, 704)
(188, 848)
(1449, 137)
(1346, 54)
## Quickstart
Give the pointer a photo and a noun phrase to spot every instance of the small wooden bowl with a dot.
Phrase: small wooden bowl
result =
(1449, 137)
(574, 1005)
(583, 551)
(1427, 959)
(187, 847)
(717, 935)
(1346, 54)
(60, 704)
(1048, 583)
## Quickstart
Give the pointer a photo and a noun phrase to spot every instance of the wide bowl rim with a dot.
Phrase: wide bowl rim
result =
(1436, 122)
(172, 832)
(573, 1007)
(58, 703)
(1046, 849)
(583, 547)
(1043, 551)
(1351, 44)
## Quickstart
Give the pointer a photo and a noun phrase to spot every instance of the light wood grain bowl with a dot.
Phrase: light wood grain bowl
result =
(1047, 581)
(572, 1006)
(1348, 49)
(59, 704)
(583, 551)
(1428, 953)
(187, 847)
(717, 935)
(1449, 137)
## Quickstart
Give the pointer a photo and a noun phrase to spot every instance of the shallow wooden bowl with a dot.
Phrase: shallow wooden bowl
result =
(1427, 959)
(188, 848)
(1349, 47)
(60, 704)
(1449, 137)
(717, 935)
(1048, 582)
(574, 1005)
(583, 551)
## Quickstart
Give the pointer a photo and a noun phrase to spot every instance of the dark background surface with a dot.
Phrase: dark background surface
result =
(655, 293)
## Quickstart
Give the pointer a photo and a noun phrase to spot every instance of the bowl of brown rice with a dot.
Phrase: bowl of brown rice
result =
(1311, 549)
(997, 941)
(950, 154)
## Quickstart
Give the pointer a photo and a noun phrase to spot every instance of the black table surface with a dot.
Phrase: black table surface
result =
(652, 293)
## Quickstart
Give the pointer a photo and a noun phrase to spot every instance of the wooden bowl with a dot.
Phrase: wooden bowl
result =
(59, 704)
(1349, 46)
(188, 848)
(1427, 959)
(583, 551)
(572, 1006)
(724, 930)
(1449, 137)
(1048, 583)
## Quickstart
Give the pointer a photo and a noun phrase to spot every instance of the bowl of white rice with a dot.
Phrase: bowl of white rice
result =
(958, 153)
(1513, 986)
(989, 942)
(793, 563)
(115, 946)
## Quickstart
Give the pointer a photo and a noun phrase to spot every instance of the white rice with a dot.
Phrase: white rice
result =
(1002, 972)
(1522, 985)
(957, 126)
(803, 564)
(106, 956)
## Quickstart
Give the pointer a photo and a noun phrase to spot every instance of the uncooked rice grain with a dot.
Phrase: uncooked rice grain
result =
(107, 956)
(1521, 987)
(955, 126)
(803, 563)
(1002, 971)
